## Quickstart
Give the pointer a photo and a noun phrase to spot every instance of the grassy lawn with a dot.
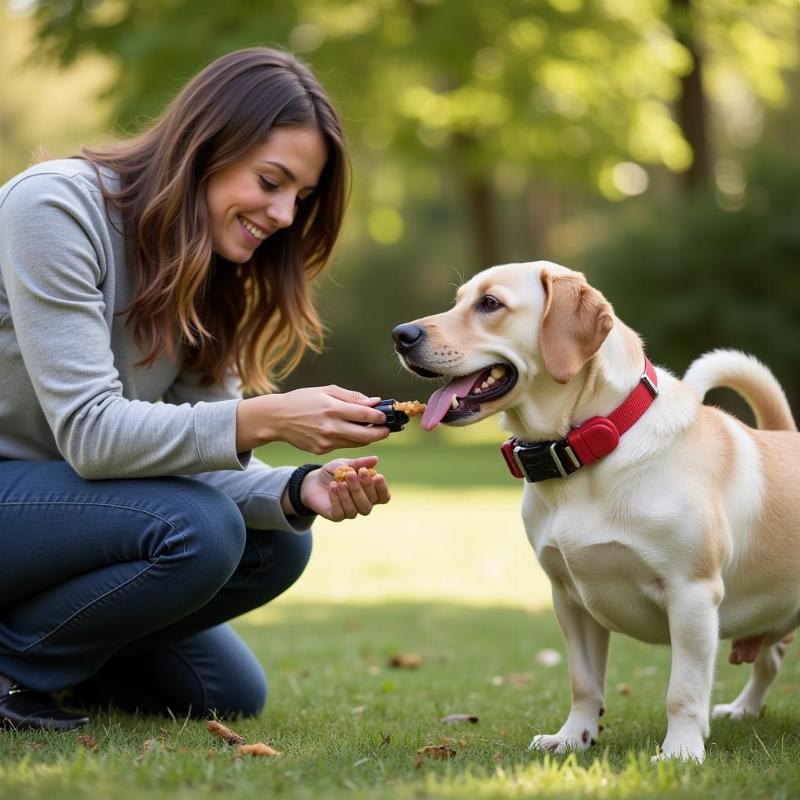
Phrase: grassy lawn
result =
(444, 573)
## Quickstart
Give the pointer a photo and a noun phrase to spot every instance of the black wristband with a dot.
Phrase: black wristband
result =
(293, 490)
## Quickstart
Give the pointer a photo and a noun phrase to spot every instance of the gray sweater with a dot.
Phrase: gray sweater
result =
(70, 387)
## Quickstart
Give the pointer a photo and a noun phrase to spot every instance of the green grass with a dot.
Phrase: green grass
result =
(447, 575)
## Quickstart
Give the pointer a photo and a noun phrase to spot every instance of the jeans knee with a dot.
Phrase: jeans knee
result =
(277, 557)
(296, 553)
(215, 533)
(247, 698)
(241, 689)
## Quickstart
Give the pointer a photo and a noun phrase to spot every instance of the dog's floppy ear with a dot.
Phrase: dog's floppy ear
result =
(575, 322)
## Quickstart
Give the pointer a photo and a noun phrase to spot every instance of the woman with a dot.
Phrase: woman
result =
(140, 285)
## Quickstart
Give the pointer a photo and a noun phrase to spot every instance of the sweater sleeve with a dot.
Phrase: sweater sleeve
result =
(258, 490)
(54, 255)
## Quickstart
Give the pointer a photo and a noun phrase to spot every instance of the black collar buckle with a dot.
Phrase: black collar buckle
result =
(540, 461)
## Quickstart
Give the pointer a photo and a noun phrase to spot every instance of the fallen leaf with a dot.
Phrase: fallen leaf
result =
(89, 742)
(405, 661)
(520, 678)
(623, 688)
(453, 718)
(258, 750)
(224, 732)
(548, 658)
(436, 752)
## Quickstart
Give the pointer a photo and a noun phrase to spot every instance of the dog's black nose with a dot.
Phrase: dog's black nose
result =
(407, 337)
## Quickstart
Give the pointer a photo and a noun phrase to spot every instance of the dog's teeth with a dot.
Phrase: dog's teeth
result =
(488, 382)
(476, 390)
(485, 385)
(498, 372)
(454, 402)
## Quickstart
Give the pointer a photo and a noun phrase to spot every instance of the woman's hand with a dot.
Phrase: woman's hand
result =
(337, 500)
(317, 420)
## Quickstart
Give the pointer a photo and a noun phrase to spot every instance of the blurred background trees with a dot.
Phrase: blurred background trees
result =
(646, 142)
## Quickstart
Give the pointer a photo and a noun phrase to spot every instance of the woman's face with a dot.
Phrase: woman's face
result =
(257, 195)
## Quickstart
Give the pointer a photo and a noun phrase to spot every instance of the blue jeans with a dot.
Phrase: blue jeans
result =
(120, 589)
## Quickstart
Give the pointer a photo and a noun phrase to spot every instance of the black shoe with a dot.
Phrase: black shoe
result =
(23, 709)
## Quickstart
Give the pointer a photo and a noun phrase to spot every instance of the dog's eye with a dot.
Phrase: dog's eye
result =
(489, 303)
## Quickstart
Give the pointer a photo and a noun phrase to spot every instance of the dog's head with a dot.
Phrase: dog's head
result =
(510, 325)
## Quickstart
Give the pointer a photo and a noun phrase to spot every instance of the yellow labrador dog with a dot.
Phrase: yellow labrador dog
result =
(652, 514)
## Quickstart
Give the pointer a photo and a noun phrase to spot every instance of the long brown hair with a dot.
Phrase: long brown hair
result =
(256, 318)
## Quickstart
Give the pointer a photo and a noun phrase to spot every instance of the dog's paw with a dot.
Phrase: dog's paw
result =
(734, 711)
(681, 751)
(562, 742)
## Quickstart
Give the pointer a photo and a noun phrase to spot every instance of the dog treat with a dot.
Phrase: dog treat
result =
(340, 473)
(224, 732)
(411, 408)
(397, 413)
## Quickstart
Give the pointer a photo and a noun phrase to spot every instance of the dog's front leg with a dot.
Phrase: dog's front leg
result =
(587, 650)
(694, 634)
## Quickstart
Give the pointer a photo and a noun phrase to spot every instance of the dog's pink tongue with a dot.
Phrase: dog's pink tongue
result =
(440, 400)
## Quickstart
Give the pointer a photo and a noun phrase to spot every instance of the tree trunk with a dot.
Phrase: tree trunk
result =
(480, 205)
(480, 201)
(692, 107)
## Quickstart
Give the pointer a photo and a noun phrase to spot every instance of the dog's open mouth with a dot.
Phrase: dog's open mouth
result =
(462, 397)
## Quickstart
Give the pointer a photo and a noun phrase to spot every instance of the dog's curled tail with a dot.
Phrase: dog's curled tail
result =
(750, 378)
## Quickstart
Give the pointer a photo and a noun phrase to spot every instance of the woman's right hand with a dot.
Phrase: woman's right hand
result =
(317, 420)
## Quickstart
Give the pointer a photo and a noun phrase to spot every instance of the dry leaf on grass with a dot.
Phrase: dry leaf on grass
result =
(437, 752)
(224, 732)
(89, 742)
(623, 688)
(453, 718)
(259, 750)
(405, 661)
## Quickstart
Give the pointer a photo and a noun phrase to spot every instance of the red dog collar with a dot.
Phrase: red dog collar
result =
(589, 442)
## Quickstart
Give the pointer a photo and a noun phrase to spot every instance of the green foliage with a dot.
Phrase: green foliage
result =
(565, 88)
(693, 276)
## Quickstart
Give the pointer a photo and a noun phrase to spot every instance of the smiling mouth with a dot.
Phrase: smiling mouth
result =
(253, 230)
(463, 396)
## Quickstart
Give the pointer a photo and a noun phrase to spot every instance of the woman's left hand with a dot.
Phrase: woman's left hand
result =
(337, 500)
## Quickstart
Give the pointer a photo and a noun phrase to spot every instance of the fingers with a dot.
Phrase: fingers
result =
(357, 499)
(357, 407)
(345, 499)
(357, 463)
(368, 486)
(363, 414)
(382, 489)
(358, 493)
(351, 396)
